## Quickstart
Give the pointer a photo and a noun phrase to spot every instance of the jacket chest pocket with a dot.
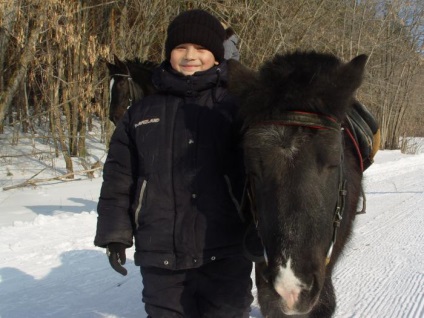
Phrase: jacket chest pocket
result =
(148, 144)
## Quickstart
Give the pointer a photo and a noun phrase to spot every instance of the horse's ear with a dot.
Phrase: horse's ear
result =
(116, 59)
(109, 66)
(244, 83)
(112, 68)
(120, 64)
(353, 72)
(360, 61)
(240, 77)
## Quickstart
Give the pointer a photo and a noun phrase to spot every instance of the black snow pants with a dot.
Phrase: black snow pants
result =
(219, 289)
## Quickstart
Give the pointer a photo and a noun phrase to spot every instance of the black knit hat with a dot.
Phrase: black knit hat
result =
(197, 27)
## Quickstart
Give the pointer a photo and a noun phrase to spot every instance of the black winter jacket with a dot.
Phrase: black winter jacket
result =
(173, 177)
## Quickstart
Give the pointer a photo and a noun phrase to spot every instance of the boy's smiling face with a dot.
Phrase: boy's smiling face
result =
(188, 58)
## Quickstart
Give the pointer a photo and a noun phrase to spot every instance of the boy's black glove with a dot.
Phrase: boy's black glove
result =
(116, 254)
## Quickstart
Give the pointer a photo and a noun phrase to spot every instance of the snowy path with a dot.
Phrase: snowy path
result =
(50, 268)
(382, 272)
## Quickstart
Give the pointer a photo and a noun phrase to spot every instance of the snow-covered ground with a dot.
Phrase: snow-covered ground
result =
(50, 268)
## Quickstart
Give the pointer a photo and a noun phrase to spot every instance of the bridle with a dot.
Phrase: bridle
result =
(133, 96)
(134, 93)
(314, 121)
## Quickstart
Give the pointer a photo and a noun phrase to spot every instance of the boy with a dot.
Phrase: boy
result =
(173, 180)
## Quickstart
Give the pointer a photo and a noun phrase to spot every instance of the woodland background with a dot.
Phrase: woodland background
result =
(54, 81)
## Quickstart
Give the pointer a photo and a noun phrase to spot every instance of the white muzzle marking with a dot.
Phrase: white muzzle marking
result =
(288, 286)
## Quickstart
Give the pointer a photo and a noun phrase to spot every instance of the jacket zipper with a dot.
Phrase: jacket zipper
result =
(140, 202)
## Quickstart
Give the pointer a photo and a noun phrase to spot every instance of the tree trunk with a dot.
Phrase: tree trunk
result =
(58, 125)
(27, 56)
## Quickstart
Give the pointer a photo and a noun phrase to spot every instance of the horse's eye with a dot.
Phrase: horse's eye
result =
(329, 159)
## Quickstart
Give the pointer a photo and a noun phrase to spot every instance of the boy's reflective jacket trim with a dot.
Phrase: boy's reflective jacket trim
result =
(174, 173)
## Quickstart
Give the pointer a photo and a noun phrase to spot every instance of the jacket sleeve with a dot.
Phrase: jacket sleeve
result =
(114, 222)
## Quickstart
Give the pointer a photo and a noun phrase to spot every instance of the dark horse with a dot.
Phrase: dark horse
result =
(304, 176)
(130, 80)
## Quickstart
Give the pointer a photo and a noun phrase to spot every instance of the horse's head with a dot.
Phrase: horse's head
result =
(129, 82)
(297, 168)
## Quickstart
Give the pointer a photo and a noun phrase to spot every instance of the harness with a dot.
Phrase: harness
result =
(314, 121)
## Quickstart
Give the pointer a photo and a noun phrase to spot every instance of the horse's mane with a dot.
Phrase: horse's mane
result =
(301, 81)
